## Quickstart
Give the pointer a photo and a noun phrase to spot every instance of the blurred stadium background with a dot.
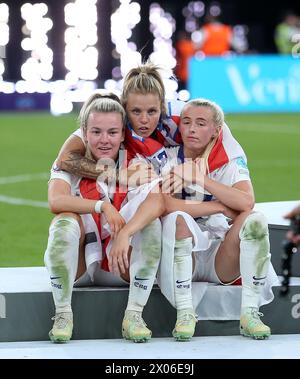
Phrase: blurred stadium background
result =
(54, 53)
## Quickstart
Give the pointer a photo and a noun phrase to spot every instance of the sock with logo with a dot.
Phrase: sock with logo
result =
(61, 260)
(183, 269)
(254, 258)
(143, 266)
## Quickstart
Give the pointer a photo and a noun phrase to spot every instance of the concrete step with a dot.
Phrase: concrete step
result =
(26, 307)
(26, 304)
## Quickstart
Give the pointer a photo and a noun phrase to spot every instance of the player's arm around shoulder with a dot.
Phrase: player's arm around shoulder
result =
(71, 158)
(73, 144)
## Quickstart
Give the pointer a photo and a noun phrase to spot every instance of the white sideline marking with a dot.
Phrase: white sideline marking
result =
(23, 178)
(17, 201)
(19, 179)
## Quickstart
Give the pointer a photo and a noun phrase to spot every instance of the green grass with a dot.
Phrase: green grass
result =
(30, 142)
(272, 145)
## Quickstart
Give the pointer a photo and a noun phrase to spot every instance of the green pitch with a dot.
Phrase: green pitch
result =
(30, 142)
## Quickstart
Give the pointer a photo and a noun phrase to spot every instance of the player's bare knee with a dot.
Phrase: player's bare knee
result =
(182, 230)
(159, 202)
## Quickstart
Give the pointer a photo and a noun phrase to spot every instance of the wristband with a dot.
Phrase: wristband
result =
(98, 206)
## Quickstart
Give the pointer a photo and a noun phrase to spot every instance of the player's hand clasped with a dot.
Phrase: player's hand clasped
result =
(113, 217)
(137, 174)
(118, 256)
(182, 176)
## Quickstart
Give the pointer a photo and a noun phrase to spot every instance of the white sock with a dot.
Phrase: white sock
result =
(254, 258)
(61, 260)
(144, 265)
(183, 269)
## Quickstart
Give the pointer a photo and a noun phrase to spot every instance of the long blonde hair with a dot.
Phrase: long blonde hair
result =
(102, 103)
(144, 79)
(218, 120)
